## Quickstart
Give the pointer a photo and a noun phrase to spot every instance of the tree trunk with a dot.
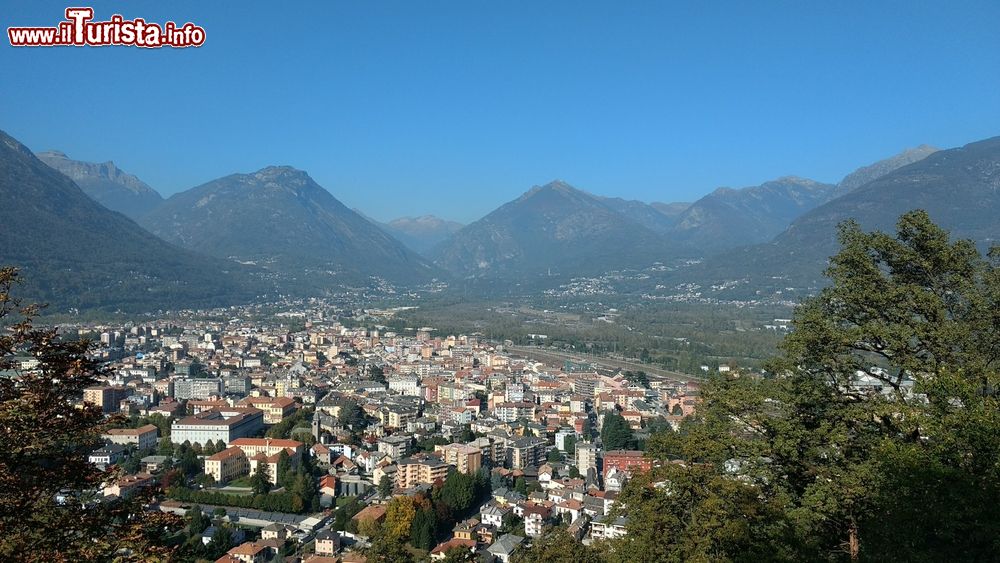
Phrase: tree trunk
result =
(853, 544)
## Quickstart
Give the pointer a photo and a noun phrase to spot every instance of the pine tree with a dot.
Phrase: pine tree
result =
(260, 482)
(616, 434)
(384, 486)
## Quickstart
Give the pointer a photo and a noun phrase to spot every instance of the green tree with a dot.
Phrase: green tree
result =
(458, 491)
(166, 447)
(521, 486)
(222, 540)
(197, 521)
(384, 486)
(259, 481)
(423, 528)
(467, 435)
(188, 462)
(557, 546)
(386, 548)
(875, 437)
(209, 448)
(616, 434)
(284, 469)
(352, 416)
(459, 554)
(569, 443)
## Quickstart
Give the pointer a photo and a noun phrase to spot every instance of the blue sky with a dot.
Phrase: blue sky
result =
(455, 107)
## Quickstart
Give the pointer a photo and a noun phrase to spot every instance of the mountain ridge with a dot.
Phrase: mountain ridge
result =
(107, 184)
(74, 252)
(280, 218)
(551, 227)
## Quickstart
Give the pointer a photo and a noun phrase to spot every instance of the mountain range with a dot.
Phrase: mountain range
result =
(277, 230)
(557, 228)
(74, 252)
(728, 218)
(959, 188)
(280, 219)
(107, 184)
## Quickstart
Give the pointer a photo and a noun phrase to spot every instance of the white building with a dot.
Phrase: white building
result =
(226, 424)
(405, 385)
(586, 457)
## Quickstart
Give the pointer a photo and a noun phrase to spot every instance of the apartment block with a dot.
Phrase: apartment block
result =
(467, 459)
(412, 472)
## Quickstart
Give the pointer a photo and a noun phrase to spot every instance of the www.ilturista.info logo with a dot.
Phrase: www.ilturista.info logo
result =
(78, 31)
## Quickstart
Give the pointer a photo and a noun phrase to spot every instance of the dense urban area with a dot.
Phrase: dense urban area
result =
(313, 442)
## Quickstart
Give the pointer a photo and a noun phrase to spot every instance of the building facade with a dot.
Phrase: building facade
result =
(217, 424)
(143, 438)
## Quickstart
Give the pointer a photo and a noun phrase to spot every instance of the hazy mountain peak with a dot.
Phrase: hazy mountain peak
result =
(421, 233)
(109, 185)
(428, 221)
(876, 170)
(727, 217)
(553, 187)
(280, 171)
(797, 180)
(957, 187)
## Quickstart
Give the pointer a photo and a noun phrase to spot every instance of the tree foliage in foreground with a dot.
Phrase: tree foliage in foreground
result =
(44, 439)
(877, 438)
(558, 546)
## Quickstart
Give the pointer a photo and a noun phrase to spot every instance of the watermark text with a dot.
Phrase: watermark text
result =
(79, 30)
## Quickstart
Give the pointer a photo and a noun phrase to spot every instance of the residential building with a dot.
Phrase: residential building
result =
(525, 452)
(603, 527)
(198, 388)
(267, 451)
(153, 463)
(143, 438)
(227, 465)
(412, 472)
(394, 446)
(327, 543)
(586, 457)
(275, 408)
(626, 461)
(106, 455)
(269, 446)
(107, 397)
(496, 515)
(276, 531)
(439, 553)
(535, 516)
(503, 549)
(128, 484)
(467, 459)
(249, 552)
